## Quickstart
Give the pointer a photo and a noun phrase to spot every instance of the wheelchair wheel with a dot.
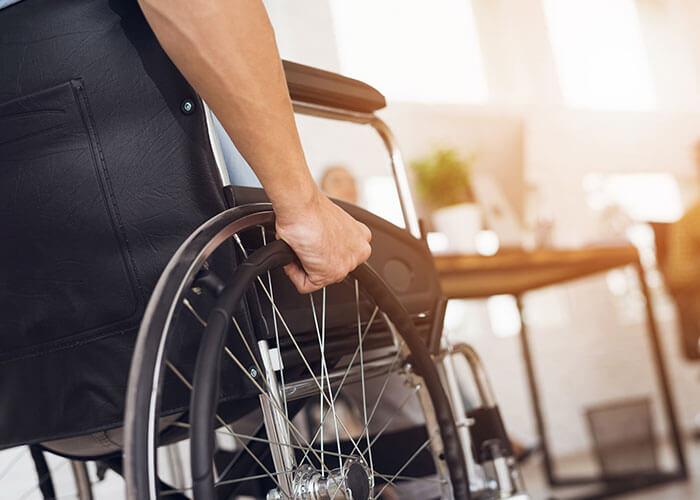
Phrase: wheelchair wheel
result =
(248, 377)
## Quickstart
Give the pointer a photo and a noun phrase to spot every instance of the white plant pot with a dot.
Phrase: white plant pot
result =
(460, 223)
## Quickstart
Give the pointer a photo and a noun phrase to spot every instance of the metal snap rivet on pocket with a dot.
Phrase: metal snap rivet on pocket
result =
(187, 106)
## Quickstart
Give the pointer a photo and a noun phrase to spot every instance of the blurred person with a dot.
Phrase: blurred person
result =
(338, 182)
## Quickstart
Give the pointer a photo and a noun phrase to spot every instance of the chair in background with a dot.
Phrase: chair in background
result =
(688, 315)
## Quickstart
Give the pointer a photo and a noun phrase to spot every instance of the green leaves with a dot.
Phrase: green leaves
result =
(443, 178)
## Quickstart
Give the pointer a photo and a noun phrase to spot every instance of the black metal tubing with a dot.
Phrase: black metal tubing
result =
(43, 474)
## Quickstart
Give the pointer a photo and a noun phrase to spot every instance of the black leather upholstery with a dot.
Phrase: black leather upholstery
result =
(316, 86)
(103, 173)
(102, 176)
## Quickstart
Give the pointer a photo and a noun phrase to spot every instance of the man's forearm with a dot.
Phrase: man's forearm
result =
(227, 51)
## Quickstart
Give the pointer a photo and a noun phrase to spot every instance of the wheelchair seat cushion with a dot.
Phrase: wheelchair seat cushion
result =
(103, 174)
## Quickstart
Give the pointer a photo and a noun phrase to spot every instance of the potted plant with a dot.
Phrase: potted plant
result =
(443, 181)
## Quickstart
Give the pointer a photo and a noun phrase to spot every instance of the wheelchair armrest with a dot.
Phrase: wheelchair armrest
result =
(316, 86)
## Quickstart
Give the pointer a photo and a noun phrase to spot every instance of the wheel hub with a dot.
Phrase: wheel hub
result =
(353, 482)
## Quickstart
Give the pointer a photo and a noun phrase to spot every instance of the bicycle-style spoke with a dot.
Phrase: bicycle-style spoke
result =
(248, 437)
(403, 467)
(277, 333)
(187, 383)
(282, 320)
(324, 369)
(227, 482)
(365, 431)
(306, 363)
(362, 375)
(346, 373)
(298, 435)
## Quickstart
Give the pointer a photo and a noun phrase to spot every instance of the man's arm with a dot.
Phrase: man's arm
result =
(226, 49)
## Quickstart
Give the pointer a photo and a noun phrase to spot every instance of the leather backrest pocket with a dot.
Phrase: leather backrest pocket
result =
(65, 269)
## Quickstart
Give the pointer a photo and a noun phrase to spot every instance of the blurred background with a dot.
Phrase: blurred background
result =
(577, 122)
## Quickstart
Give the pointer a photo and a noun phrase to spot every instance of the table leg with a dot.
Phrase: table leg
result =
(534, 395)
(662, 374)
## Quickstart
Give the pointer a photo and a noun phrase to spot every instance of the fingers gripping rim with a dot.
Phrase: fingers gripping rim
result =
(205, 387)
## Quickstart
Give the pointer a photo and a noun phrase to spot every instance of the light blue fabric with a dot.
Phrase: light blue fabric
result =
(239, 172)
(7, 3)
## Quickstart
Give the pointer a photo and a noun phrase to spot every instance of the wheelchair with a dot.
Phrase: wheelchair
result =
(346, 393)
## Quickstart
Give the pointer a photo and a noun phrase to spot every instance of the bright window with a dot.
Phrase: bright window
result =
(411, 50)
(599, 53)
(642, 196)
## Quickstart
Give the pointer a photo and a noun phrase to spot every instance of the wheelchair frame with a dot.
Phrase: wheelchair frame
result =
(510, 485)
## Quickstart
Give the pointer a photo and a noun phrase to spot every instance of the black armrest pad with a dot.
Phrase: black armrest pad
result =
(316, 86)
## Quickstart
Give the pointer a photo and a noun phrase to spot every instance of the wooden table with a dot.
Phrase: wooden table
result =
(517, 272)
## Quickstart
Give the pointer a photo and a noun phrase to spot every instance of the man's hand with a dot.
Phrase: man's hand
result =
(328, 242)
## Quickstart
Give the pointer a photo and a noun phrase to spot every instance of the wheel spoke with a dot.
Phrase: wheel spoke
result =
(324, 369)
(298, 349)
(362, 376)
(393, 478)
(226, 482)
(347, 371)
(393, 416)
(306, 363)
(365, 430)
(289, 424)
(277, 335)
(272, 401)
(226, 426)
